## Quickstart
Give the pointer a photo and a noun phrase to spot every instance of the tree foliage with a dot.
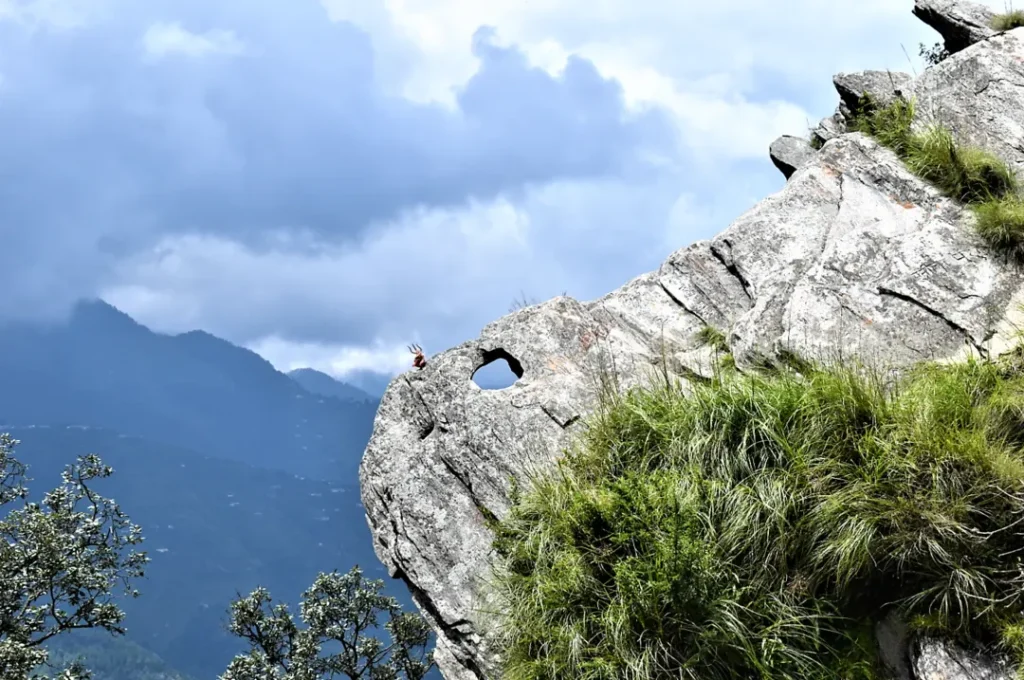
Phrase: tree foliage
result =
(340, 611)
(62, 559)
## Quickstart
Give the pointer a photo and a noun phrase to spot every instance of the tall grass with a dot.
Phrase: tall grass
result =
(1008, 21)
(714, 338)
(965, 173)
(756, 526)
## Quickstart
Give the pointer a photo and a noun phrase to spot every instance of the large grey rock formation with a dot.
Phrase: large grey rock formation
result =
(961, 24)
(854, 254)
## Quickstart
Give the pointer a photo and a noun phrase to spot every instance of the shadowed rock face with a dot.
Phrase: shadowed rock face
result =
(790, 153)
(961, 24)
(854, 254)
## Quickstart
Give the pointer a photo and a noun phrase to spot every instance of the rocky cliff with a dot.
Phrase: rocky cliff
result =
(855, 255)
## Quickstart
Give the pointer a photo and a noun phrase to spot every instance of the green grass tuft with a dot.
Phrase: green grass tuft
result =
(890, 125)
(714, 338)
(757, 525)
(965, 173)
(1008, 21)
(1001, 224)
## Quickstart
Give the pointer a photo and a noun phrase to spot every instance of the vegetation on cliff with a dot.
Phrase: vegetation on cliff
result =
(965, 173)
(758, 525)
(1008, 20)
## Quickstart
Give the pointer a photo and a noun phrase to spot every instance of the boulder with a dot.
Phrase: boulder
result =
(961, 24)
(790, 153)
(939, 660)
(882, 86)
(829, 128)
(979, 94)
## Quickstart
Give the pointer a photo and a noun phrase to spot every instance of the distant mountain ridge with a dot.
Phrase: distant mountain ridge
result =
(318, 382)
(240, 475)
(101, 368)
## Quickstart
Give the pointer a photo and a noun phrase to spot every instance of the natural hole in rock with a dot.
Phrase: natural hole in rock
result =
(500, 370)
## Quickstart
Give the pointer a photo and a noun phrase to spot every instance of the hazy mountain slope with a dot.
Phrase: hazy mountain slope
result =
(192, 390)
(213, 528)
(317, 382)
(111, 657)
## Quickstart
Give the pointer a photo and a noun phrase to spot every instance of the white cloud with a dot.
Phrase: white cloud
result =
(162, 39)
(697, 59)
(432, 276)
(427, 265)
(731, 75)
(340, 361)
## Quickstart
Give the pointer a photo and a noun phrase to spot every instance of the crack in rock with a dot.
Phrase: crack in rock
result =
(681, 304)
(882, 290)
(731, 267)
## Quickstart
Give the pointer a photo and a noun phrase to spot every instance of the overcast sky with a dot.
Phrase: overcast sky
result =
(326, 182)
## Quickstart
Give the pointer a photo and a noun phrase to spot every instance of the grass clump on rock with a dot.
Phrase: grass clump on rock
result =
(1008, 21)
(714, 338)
(758, 525)
(965, 173)
(1001, 224)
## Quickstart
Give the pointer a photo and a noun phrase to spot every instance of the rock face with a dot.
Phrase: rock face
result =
(854, 254)
(882, 86)
(961, 24)
(936, 660)
(979, 94)
(790, 153)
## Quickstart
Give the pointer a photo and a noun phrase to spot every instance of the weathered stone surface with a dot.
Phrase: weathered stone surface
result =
(443, 450)
(938, 660)
(790, 153)
(829, 128)
(882, 86)
(979, 94)
(854, 254)
(960, 24)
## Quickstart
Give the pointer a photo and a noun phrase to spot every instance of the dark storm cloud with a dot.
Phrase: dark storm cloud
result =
(262, 116)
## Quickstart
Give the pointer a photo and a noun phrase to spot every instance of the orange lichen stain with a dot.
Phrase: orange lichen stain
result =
(906, 204)
(558, 364)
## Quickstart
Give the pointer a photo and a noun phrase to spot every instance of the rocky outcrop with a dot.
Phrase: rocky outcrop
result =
(882, 86)
(790, 153)
(927, 658)
(979, 94)
(961, 24)
(828, 128)
(855, 254)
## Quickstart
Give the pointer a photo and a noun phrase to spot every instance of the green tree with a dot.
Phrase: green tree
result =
(339, 611)
(61, 561)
